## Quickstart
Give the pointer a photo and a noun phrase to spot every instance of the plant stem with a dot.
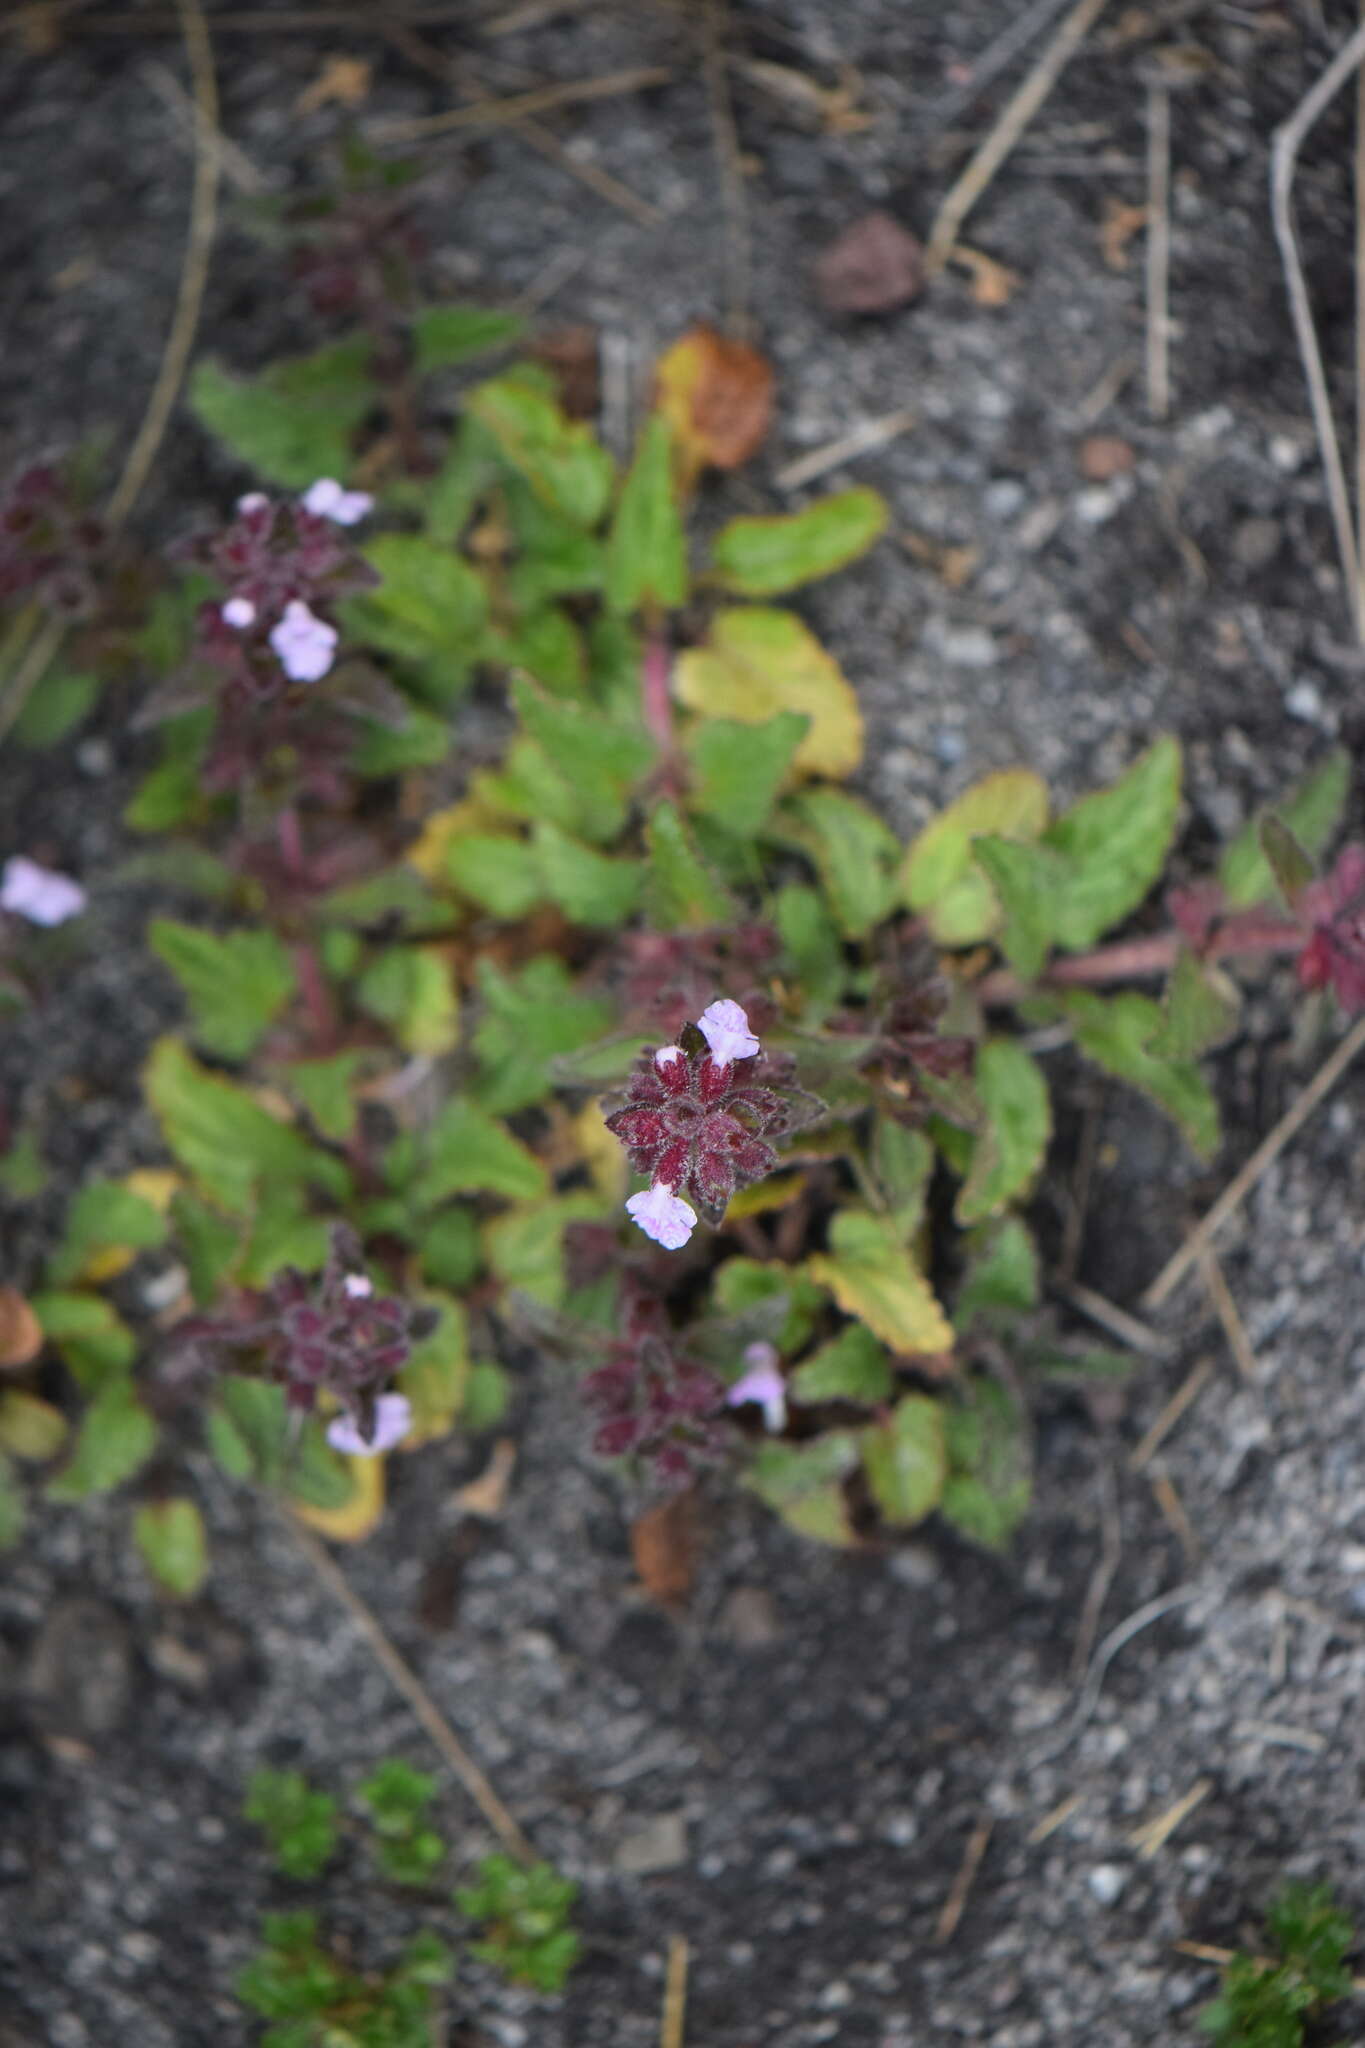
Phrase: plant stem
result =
(317, 999)
(1142, 959)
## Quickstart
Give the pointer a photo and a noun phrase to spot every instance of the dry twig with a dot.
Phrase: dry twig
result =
(1018, 113)
(1139, 1337)
(956, 1902)
(674, 2019)
(509, 111)
(1173, 1514)
(1283, 158)
(1058, 1817)
(1185, 1395)
(1158, 248)
(1153, 1835)
(1227, 1312)
(859, 440)
(1269, 1149)
(1102, 1578)
(405, 1680)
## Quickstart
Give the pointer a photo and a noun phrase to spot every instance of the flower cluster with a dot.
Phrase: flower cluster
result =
(1333, 910)
(283, 566)
(327, 1332)
(49, 544)
(697, 1119)
(652, 1402)
(906, 1009)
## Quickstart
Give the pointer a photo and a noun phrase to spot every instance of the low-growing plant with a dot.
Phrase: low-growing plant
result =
(417, 963)
(516, 1916)
(1269, 2001)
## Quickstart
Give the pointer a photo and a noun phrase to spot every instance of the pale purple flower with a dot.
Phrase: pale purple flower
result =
(305, 643)
(40, 894)
(764, 1384)
(254, 501)
(666, 1055)
(327, 500)
(357, 1287)
(392, 1421)
(726, 1030)
(663, 1216)
(239, 612)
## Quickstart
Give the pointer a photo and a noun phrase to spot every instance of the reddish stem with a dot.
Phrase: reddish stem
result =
(1142, 959)
(291, 841)
(317, 999)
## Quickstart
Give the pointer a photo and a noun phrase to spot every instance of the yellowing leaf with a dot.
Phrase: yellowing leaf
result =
(778, 1191)
(21, 1334)
(30, 1428)
(717, 396)
(428, 852)
(355, 1520)
(154, 1185)
(871, 1274)
(437, 1373)
(758, 661)
(600, 1151)
(939, 878)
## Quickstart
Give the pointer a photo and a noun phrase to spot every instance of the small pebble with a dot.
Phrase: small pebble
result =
(94, 757)
(1304, 702)
(659, 1844)
(1106, 1882)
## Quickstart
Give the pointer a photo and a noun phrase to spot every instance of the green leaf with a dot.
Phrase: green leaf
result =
(646, 551)
(524, 1246)
(223, 1138)
(1199, 1010)
(297, 420)
(247, 1429)
(1286, 859)
(486, 1396)
(447, 1245)
(743, 1285)
(302, 1826)
(437, 1372)
(902, 1163)
(430, 610)
(89, 1334)
(23, 1170)
(170, 1535)
(170, 793)
(422, 741)
(104, 1215)
(326, 1088)
(906, 1460)
(600, 759)
(590, 888)
(412, 990)
(464, 1151)
(803, 1483)
(1027, 880)
(12, 1514)
(283, 1233)
(1009, 1152)
(812, 947)
(115, 1439)
(757, 661)
(989, 1481)
(1312, 811)
(683, 894)
(58, 703)
(871, 1274)
(853, 1367)
(853, 853)
(236, 983)
(530, 1018)
(30, 1428)
(555, 558)
(468, 471)
(444, 337)
(738, 769)
(764, 557)
(1118, 1035)
(501, 874)
(549, 646)
(1002, 1273)
(560, 458)
(1115, 845)
(939, 878)
(207, 1241)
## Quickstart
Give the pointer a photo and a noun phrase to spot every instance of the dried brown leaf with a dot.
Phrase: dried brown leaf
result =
(663, 1543)
(717, 396)
(342, 82)
(21, 1338)
(486, 1496)
(1121, 222)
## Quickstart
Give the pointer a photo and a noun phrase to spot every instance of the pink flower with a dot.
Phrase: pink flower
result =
(327, 500)
(239, 613)
(305, 643)
(763, 1383)
(40, 894)
(392, 1421)
(356, 1287)
(726, 1030)
(666, 1055)
(663, 1216)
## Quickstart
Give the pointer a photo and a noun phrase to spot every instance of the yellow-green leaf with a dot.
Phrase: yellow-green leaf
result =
(871, 1274)
(939, 877)
(170, 1535)
(437, 1372)
(412, 990)
(763, 557)
(906, 1460)
(560, 458)
(1119, 1034)
(757, 661)
(30, 1428)
(1115, 844)
(646, 551)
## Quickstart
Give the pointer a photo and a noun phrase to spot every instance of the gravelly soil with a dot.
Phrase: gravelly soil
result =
(827, 1731)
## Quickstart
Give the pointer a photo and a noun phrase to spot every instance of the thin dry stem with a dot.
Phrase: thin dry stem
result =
(1283, 158)
(1137, 1336)
(1018, 113)
(1173, 1513)
(1154, 1834)
(1058, 1817)
(517, 107)
(1158, 249)
(1269, 1150)
(673, 2023)
(1225, 1308)
(405, 1680)
(730, 164)
(1102, 1578)
(858, 441)
(1185, 1395)
(956, 1902)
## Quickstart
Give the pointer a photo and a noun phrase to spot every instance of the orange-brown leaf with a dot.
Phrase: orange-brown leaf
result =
(21, 1338)
(663, 1543)
(717, 396)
